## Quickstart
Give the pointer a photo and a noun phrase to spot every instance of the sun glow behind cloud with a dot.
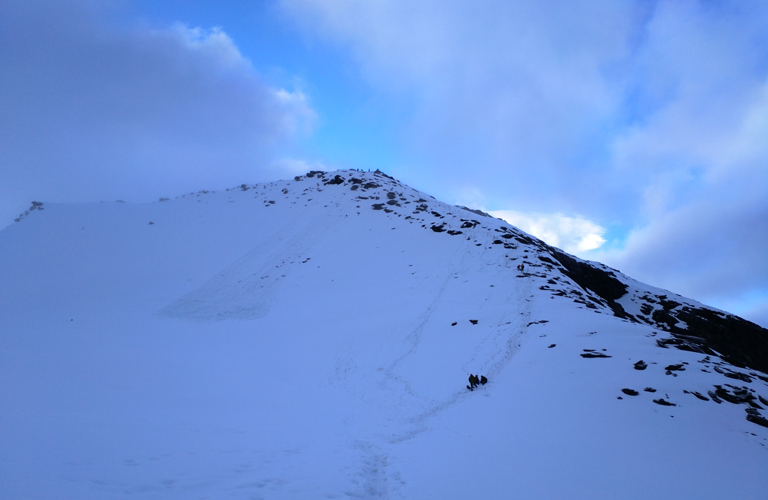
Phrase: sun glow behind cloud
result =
(572, 234)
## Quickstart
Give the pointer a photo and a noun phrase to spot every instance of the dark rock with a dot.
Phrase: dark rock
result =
(663, 343)
(453, 232)
(663, 402)
(379, 172)
(551, 346)
(378, 206)
(604, 284)
(454, 323)
(478, 212)
(594, 355)
(741, 342)
(662, 316)
(755, 417)
(698, 395)
(675, 368)
(667, 305)
(689, 343)
(723, 394)
(370, 185)
(630, 392)
(437, 229)
(641, 365)
(335, 181)
(473, 321)
(738, 376)
(649, 389)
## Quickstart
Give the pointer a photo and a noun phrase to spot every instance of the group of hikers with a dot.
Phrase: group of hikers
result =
(520, 267)
(474, 381)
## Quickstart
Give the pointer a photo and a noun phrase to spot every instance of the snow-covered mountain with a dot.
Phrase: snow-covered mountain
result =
(313, 338)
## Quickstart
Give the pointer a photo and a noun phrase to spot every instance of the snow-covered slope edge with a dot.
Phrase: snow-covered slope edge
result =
(312, 338)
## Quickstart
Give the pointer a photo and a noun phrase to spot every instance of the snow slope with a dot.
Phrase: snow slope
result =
(312, 338)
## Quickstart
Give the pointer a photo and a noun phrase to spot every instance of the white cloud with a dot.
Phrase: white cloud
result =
(573, 234)
(97, 109)
(293, 166)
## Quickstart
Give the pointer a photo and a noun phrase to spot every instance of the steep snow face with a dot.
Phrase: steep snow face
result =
(312, 338)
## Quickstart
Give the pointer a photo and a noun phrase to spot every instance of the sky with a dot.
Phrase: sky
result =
(632, 132)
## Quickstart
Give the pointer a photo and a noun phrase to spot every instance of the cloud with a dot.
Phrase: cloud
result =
(646, 117)
(98, 108)
(517, 87)
(712, 249)
(572, 234)
(294, 166)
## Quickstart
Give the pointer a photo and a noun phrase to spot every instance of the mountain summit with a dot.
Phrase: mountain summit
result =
(314, 338)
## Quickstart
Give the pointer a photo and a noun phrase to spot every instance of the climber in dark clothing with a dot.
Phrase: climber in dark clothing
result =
(475, 380)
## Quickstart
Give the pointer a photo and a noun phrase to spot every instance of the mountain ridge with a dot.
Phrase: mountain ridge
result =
(741, 341)
(313, 337)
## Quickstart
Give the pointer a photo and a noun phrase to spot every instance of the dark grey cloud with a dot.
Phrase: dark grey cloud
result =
(97, 108)
(712, 249)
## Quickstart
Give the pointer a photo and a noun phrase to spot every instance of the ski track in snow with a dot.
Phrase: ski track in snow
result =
(493, 352)
(245, 290)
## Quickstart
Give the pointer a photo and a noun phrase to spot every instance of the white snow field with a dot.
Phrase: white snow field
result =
(296, 340)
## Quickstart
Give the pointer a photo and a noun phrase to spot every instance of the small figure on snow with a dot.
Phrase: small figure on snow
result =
(475, 380)
(520, 267)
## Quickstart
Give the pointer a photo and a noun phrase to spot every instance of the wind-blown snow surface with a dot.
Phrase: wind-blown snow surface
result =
(297, 340)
